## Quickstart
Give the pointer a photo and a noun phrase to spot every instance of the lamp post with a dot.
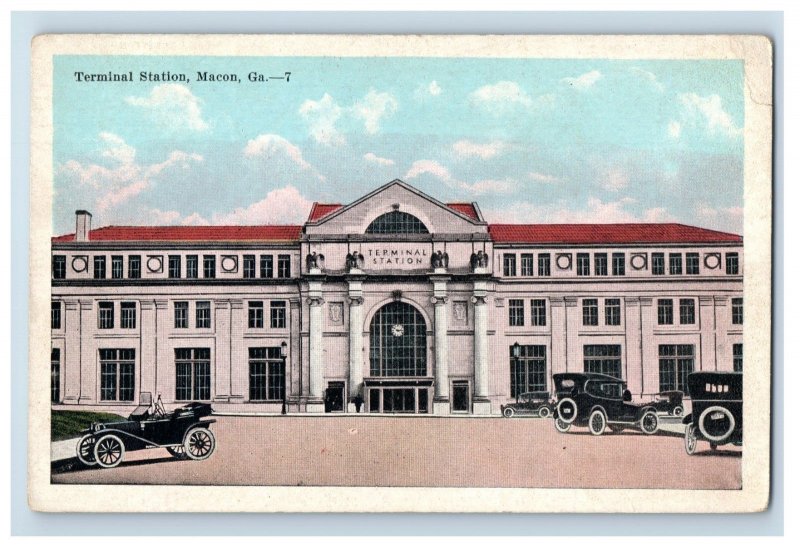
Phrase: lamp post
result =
(284, 348)
(515, 353)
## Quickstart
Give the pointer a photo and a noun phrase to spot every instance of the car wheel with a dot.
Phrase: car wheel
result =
(508, 412)
(715, 436)
(199, 443)
(561, 425)
(544, 412)
(109, 451)
(178, 452)
(85, 450)
(678, 411)
(690, 439)
(648, 423)
(597, 422)
(567, 410)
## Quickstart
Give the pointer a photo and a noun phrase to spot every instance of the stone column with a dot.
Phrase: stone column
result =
(294, 372)
(356, 361)
(316, 376)
(574, 353)
(441, 398)
(705, 359)
(237, 365)
(222, 353)
(147, 348)
(72, 352)
(648, 372)
(633, 344)
(723, 322)
(89, 358)
(558, 339)
(480, 400)
(164, 361)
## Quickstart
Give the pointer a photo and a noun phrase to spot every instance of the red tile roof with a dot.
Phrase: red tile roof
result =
(189, 233)
(607, 233)
(465, 209)
(320, 210)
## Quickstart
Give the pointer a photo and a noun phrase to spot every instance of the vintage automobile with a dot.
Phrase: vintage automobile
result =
(536, 403)
(716, 409)
(183, 432)
(599, 401)
(669, 402)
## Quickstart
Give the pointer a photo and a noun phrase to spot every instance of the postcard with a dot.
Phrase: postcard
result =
(400, 273)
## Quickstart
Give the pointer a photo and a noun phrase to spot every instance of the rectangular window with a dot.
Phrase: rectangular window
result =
(544, 264)
(209, 266)
(686, 311)
(529, 371)
(664, 311)
(538, 312)
(55, 375)
(738, 357)
(600, 263)
(613, 308)
(516, 312)
(59, 267)
(277, 314)
(116, 267)
(675, 263)
(589, 312)
(732, 263)
(181, 315)
(526, 264)
(99, 267)
(127, 317)
(692, 263)
(658, 263)
(582, 264)
(255, 315)
(202, 314)
(266, 266)
(603, 359)
(192, 374)
(737, 311)
(117, 368)
(191, 266)
(509, 265)
(134, 267)
(105, 318)
(174, 266)
(284, 266)
(675, 363)
(249, 266)
(55, 315)
(267, 374)
(618, 264)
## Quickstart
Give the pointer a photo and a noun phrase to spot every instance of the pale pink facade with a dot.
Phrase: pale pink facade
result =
(402, 333)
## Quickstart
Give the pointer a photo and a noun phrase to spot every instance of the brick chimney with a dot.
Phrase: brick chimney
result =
(83, 224)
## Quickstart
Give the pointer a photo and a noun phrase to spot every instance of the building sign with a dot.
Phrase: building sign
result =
(397, 257)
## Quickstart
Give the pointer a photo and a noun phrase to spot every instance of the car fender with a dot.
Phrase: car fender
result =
(647, 408)
(601, 408)
(687, 419)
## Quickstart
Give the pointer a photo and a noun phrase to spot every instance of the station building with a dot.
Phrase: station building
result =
(395, 303)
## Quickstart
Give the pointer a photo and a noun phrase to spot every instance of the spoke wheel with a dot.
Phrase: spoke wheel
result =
(690, 439)
(561, 425)
(649, 422)
(199, 443)
(508, 412)
(85, 450)
(544, 412)
(597, 422)
(109, 451)
(678, 411)
(177, 452)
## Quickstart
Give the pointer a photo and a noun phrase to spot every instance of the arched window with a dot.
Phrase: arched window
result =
(397, 222)
(397, 341)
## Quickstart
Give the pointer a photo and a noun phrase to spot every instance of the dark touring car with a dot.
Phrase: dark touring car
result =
(531, 403)
(183, 432)
(716, 409)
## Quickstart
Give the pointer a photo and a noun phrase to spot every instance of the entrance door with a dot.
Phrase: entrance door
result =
(334, 397)
(460, 400)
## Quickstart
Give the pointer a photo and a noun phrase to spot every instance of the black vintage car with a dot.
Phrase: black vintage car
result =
(535, 403)
(183, 432)
(716, 409)
(599, 401)
(669, 402)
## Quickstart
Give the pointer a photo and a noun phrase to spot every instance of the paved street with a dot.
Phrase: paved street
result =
(413, 451)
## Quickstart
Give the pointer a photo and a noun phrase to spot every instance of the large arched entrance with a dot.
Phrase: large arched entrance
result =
(398, 361)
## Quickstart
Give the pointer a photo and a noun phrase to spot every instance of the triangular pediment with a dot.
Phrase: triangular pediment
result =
(396, 195)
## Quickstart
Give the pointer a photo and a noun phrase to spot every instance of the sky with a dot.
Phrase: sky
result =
(530, 140)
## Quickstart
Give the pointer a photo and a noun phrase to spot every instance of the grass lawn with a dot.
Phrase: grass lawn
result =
(66, 424)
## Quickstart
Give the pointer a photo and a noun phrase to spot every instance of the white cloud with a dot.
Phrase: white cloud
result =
(281, 206)
(674, 129)
(584, 81)
(726, 219)
(466, 149)
(615, 180)
(503, 92)
(322, 116)
(173, 105)
(422, 167)
(709, 110)
(372, 158)
(269, 146)
(541, 177)
(374, 107)
(434, 89)
(593, 211)
(117, 149)
(649, 77)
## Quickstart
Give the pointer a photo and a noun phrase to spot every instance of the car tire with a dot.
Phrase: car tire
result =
(690, 439)
(648, 423)
(716, 438)
(199, 443)
(561, 425)
(678, 411)
(178, 452)
(109, 450)
(597, 422)
(85, 450)
(508, 412)
(544, 412)
(562, 404)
